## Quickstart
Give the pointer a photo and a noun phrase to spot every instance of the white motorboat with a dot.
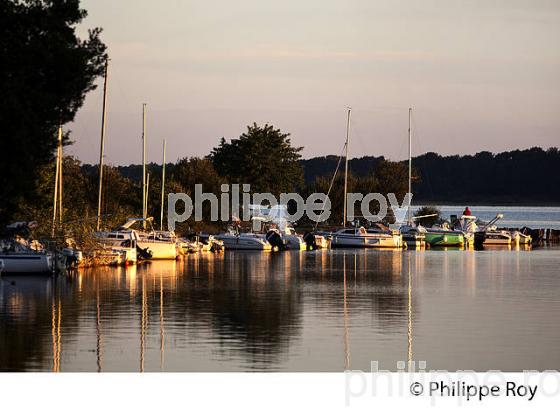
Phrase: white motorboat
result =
(492, 236)
(291, 239)
(317, 240)
(202, 243)
(17, 258)
(234, 240)
(362, 238)
(497, 238)
(21, 256)
(26, 262)
(276, 218)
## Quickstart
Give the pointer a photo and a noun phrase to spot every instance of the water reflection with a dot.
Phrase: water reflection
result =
(56, 336)
(99, 352)
(346, 340)
(143, 322)
(287, 311)
(410, 357)
(161, 323)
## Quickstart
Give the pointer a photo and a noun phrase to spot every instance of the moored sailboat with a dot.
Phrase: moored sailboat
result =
(413, 235)
(161, 244)
(362, 238)
(118, 247)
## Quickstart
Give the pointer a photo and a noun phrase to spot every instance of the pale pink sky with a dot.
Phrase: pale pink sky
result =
(480, 74)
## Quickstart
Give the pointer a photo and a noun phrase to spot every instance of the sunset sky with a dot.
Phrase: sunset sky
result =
(480, 75)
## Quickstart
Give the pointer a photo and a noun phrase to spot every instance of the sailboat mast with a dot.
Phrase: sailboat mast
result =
(144, 193)
(56, 179)
(346, 167)
(147, 192)
(162, 188)
(60, 179)
(102, 145)
(410, 163)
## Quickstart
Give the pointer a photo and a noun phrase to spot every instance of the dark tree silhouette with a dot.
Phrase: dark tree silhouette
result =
(45, 73)
(262, 157)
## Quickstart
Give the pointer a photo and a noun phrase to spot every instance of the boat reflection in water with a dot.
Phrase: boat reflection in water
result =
(293, 311)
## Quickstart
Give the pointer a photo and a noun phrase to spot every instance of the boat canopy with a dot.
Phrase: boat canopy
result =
(277, 214)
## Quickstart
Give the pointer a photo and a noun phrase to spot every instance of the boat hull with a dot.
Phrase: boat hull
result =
(109, 257)
(130, 255)
(294, 242)
(413, 240)
(497, 238)
(497, 242)
(367, 241)
(232, 242)
(455, 239)
(159, 249)
(119, 248)
(28, 263)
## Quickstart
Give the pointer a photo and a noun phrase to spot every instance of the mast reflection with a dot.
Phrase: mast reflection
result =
(346, 337)
(161, 323)
(143, 321)
(410, 357)
(99, 352)
(56, 333)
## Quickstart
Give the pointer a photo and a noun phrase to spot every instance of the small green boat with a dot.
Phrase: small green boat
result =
(437, 237)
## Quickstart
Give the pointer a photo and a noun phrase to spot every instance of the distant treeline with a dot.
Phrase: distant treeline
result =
(529, 177)
(519, 177)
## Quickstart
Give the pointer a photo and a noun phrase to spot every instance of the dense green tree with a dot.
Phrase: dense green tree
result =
(263, 157)
(183, 176)
(45, 73)
(77, 204)
(188, 172)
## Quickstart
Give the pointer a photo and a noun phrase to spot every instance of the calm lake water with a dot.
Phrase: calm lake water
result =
(291, 311)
